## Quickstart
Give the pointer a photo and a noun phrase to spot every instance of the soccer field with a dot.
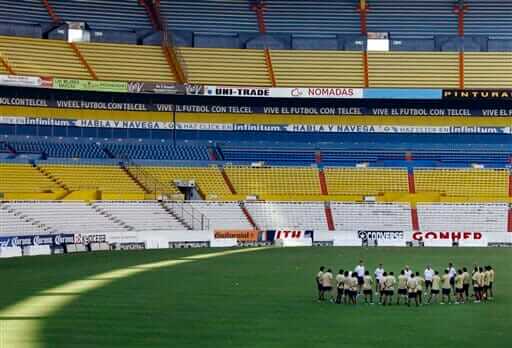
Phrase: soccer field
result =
(265, 298)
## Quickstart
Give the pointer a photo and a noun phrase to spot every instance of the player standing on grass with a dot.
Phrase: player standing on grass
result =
(319, 286)
(367, 288)
(481, 283)
(346, 287)
(379, 271)
(447, 287)
(407, 271)
(389, 284)
(382, 287)
(436, 287)
(491, 283)
(459, 287)
(360, 270)
(476, 284)
(412, 284)
(487, 281)
(340, 279)
(428, 274)
(402, 288)
(466, 279)
(420, 287)
(354, 287)
(327, 284)
(452, 272)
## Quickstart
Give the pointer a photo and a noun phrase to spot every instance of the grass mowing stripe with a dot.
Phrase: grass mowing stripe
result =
(19, 323)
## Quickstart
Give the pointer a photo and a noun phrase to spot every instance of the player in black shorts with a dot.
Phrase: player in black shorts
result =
(319, 286)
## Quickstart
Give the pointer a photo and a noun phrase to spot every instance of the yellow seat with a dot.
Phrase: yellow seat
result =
(235, 67)
(42, 57)
(24, 178)
(463, 182)
(365, 181)
(488, 69)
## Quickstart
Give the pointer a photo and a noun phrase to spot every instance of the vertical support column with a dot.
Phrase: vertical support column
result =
(259, 10)
(328, 217)
(363, 15)
(366, 69)
(460, 10)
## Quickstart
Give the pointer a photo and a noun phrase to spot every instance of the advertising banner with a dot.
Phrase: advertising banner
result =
(91, 85)
(241, 235)
(41, 239)
(284, 92)
(26, 81)
(477, 94)
(238, 127)
(155, 87)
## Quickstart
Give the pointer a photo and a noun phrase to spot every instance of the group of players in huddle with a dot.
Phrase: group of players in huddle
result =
(411, 286)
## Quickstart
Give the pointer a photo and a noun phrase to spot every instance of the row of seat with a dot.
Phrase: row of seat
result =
(247, 67)
(115, 216)
(280, 181)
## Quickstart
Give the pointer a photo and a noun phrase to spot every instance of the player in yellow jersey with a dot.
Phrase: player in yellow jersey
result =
(459, 287)
(487, 281)
(340, 280)
(354, 287)
(491, 283)
(402, 288)
(327, 279)
(420, 288)
(466, 280)
(412, 285)
(367, 287)
(389, 285)
(476, 286)
(481, 283)
(446, 286)
(436, 287)
(319, 286)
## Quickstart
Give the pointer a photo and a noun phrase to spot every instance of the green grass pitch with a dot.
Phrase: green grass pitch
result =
(261, 299)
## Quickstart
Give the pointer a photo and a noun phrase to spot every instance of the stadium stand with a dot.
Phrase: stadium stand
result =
(274, 180)
(365, 181)
(25, 178)
(371, 216)
(161, 152)
(206, 16)
(411, 69)
(12, 222)
(463, 181)
(288, 215)
(125, 15)
(50, 148)
(483, 217)
(140, 215)
(80, 217)
(226, 66)
(38, 57)
(489, 70)
(488, 17)
(406, 18)
(317, 68)
(120, 62)
(299, 17)
(104, 178)
(209, 180)
(23, 12)
(223, 215)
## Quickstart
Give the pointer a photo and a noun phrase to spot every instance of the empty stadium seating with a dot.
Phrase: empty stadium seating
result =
(120, 62)
(462, 217)
(226, 66)
(24, 12)
(317, 68)
(208, 179)
(412, 18)
(41, 57)
(223, 215)
(160, 152)
(288, 215)
(489, 70)
(488, 17)
(463, 182)
(66, 217)
(365, 181)
(274, 180)
(105, 178)
(209, 15)
(371, 216)
(60, 149)
(410, 69)
(14, 223)
(25, 178)
(140, 215)
(322, 17)
(104, 14)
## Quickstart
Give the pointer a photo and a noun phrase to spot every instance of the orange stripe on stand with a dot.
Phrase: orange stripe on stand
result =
(366, 69)
(461, 69)
(82, 59)
(7, 66)
(270, 68)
